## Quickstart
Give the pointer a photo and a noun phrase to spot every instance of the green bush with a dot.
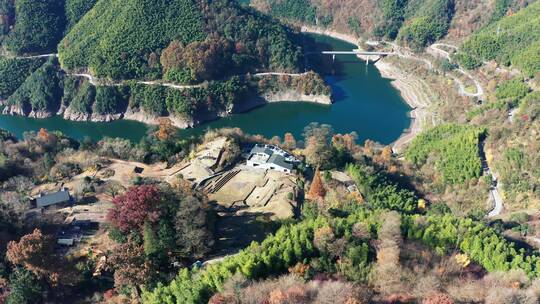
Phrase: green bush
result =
(13, 73)
(125, 40)
(421, 32)
(513, 90)
(217, 96)
(150, 98)
(393, 16)
(456, 150)
(7, 11)
(290, 245)
(79, 94)
(427, 22)
(38, 28)
(298, 10)
(481, 243)
(381, 193)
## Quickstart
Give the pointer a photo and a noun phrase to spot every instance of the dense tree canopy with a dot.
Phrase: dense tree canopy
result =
(76, 9)
(125, 40)
(13, 73)
(513, 40)
(40, 91)
(38, 27)
(456, 150)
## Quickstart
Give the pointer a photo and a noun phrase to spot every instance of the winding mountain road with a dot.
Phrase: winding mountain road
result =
(37, 56)
(494, 194)
(435, 49)
(95, 82)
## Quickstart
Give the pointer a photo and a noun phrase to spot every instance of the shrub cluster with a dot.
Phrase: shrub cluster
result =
(456, 148)
(481, 243)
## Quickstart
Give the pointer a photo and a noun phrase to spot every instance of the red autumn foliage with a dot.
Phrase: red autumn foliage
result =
(317, 190)
(109, 294)
(35, 252)
(438, 298)
(398, 299)
(223, 298)
(138, 205)
(131, 268)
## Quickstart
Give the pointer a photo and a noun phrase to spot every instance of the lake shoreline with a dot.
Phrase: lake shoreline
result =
(409, 94)
(286, 95)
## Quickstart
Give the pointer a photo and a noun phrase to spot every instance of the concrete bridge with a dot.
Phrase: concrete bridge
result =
(355, 52)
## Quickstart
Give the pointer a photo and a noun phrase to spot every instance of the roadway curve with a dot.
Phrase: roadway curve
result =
(494, 193)
(435, 49)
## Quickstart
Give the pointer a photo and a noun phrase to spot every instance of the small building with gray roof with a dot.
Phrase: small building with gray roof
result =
(60, 197)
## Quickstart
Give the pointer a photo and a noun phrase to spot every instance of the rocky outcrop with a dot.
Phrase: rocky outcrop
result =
(151, 119)
(179, 121)
(70, 114)
(40, 114)
(13, 110)
(293, 95)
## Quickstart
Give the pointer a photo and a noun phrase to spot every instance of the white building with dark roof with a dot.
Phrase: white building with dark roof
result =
(271, 158)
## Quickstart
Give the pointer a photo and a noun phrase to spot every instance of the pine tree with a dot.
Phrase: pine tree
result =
(317, 190)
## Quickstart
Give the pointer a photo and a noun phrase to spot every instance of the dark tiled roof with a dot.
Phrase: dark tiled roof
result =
(53, 198)
(279, 160)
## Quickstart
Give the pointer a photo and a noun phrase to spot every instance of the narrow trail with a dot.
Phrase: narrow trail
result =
(404, 53)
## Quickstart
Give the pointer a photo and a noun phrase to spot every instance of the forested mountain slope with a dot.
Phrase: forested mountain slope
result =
(107, 48)
(514, 40)
(125, 39)
(416, 22)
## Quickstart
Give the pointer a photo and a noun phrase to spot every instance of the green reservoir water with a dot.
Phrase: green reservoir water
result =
(365, 103)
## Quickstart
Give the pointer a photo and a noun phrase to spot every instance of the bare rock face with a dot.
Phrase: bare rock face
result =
(151, 119)
(40, 114)
(13, 110)
(70, 114)
(293, 95)
(95, 117)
